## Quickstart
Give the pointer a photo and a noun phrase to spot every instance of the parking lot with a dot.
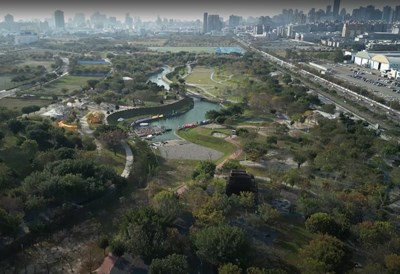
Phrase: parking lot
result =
(367, 78)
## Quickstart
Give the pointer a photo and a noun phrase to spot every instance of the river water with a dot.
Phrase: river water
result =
(157, 78)
(196, 114)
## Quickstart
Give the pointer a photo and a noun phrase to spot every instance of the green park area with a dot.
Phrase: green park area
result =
(149, 42)
(204, 136)
(6, 83)
(64, 86)
(215, 82)
(19, 103)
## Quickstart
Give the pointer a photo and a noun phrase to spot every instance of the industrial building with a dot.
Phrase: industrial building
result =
(378, 60)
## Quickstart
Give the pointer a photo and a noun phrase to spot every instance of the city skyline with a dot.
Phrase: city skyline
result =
(177, 9)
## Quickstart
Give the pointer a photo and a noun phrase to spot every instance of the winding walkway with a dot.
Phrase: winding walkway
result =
(85, 130)
(234, 155)
(129, 160)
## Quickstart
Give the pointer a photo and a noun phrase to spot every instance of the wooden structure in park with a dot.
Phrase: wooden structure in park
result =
(241, 181)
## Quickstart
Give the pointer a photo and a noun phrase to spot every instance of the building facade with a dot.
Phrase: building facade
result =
(59, 19)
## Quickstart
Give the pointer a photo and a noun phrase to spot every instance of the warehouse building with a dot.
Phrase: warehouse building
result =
(382, 61)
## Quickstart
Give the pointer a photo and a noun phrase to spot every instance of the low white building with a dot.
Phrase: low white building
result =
(363, 58)
(393, 74)
(385, 62)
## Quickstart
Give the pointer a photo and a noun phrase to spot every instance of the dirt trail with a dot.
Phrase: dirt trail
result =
(234, 155)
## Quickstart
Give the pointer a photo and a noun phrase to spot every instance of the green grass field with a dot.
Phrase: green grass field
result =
(172, 174)
(34, 63)
(5, 82)
(18, 103)
(149, 42)
(217, 82)
(188, 49)
(203, 136)
(68, 82)
(201, 76)
(108, 158)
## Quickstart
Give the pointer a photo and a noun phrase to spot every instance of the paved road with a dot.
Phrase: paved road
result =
(129, 160)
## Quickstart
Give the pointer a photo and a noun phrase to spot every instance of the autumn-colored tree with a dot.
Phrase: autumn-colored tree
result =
(324, 254)
(229, 269)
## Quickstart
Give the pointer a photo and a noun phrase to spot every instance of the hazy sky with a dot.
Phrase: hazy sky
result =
(179, 9)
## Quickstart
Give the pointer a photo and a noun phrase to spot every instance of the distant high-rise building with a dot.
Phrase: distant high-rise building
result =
(59, 19)
(367, 13)
(336, 7)
(343, 14)
(311, 16)
(396, 15)
(351, 30)
(98, 20)
(112, 21)
(8, 19)
(387, 14)
(234, 20)
(328, 10)
(259, 29)
(214, 23)
(9, 22)
(205, 22)
(128, 20)
(289, 31)
(79, 20)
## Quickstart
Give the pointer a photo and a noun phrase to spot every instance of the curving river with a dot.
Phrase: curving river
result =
(196, 114)
(158, 78)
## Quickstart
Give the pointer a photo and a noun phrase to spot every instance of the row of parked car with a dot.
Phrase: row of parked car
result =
(390, 84)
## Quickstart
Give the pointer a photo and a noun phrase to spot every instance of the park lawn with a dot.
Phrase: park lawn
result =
(187, 49)
(68, 82)
(34, 63)
(226, 131)
(108, 158)
(5, 82)
(172, 174)
(19, 103)
(202, 136)
(115, 161)
(149, 42)
(201, 76)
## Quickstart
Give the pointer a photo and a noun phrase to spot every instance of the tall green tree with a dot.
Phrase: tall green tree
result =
(204, 168)
(172, 264)
(229, 268)
(325, 254)
(322, 223)
(221, 244)
(167, 204)
(8, 224)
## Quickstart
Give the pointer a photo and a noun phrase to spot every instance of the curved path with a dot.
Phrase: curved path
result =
(129, 160)
(85, 130)
(234, 155)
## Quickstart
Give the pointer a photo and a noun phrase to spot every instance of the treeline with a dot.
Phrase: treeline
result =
(44, 171)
